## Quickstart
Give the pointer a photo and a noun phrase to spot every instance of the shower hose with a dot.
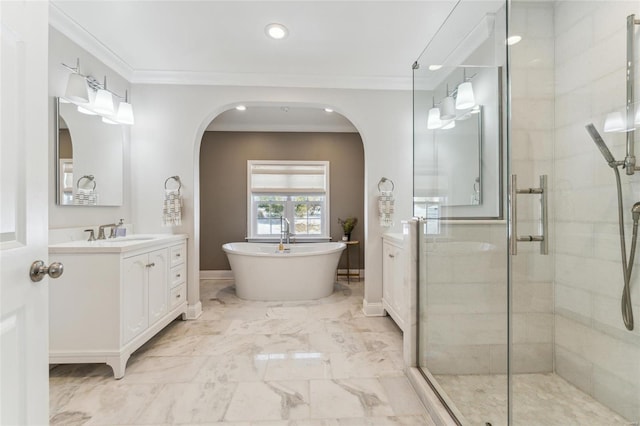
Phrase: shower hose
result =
(627, 267)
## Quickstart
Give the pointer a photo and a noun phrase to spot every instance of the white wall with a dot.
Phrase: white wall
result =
(170, 122)
(63, 50)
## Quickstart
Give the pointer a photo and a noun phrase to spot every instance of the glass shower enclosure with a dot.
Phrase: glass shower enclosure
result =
(520, 278)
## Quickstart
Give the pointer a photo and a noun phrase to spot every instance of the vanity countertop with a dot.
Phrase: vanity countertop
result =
(116, 245)
(393, 236)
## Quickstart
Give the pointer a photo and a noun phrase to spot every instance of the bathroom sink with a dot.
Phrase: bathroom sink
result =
(113, 245)
(129, 238)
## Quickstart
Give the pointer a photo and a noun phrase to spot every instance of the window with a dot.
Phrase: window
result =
(295, 190)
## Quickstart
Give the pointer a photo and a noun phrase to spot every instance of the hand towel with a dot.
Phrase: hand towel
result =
(85, 197)
(172, 208)
(386, 208)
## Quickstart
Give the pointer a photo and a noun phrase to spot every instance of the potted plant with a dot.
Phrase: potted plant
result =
(347, 227)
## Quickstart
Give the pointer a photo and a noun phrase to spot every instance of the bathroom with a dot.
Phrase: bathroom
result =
(551, 99)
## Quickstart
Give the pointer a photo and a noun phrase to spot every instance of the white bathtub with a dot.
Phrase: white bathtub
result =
(304, 271)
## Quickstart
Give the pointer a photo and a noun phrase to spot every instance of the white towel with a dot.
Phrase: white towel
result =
(172, 208)
(386, 208)
(85, 197)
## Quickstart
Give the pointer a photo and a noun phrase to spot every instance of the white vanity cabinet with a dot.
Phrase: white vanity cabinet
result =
(395, 290)
(113, 297)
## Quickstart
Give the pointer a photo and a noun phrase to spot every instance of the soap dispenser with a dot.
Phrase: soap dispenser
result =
(121, 231)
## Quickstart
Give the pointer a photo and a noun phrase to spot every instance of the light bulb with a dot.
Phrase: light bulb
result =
(103, 103)
(465, 98)
(125, 113)
(77, 89)
(433, 119)
(276, 31)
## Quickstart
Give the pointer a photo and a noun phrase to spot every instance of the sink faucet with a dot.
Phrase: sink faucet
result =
(101, 231)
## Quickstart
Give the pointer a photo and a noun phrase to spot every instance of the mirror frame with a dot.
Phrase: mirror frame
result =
(57, 180)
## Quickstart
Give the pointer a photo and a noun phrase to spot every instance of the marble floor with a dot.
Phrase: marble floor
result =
(252, 363)
(538, 400)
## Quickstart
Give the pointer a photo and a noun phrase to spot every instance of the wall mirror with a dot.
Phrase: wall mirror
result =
(458, 123)
(89, 159)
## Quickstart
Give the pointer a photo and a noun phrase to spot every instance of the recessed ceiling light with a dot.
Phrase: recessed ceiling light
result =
(276, 31)
(434, 67)
(241, 108)
(513, 40)
(328, 110)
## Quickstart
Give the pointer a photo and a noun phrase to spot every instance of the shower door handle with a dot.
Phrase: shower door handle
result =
(543, 238)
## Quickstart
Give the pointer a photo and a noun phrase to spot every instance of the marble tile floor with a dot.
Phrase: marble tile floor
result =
(538, 400)
(242, 363)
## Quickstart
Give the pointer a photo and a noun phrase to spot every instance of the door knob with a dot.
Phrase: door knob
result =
(39, 270)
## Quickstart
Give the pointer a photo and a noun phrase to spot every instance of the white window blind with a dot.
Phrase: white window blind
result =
(295, 190)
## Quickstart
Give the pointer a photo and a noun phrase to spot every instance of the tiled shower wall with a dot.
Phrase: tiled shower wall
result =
(593, 350)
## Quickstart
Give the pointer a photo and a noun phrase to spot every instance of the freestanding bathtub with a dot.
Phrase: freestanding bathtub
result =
(303, 271)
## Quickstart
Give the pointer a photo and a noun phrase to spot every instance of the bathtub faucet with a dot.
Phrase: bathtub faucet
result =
(285, 231)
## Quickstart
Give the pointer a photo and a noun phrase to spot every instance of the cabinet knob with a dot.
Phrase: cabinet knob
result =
(178, 275)
(391, 256)
(152, 264)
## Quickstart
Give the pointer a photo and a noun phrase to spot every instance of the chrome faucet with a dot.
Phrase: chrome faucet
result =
(101, 231)
(285, 231)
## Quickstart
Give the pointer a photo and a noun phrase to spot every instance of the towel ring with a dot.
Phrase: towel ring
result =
(383, 180)
(175, 178)
(90, 178)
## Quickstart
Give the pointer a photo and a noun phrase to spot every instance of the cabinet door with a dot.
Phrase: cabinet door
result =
(134, 298)
(388, 263)
(158, 284)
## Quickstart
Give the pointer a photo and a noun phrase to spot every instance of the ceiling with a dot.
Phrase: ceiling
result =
(338, 44)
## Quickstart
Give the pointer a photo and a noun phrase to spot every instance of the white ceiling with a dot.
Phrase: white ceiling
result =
(339, 44)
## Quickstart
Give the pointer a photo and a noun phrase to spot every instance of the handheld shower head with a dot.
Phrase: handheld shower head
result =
(635, 211)
(601, 145)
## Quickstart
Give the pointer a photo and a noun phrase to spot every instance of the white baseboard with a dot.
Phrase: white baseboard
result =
(216, 275)
(194, 311)
(372, 309)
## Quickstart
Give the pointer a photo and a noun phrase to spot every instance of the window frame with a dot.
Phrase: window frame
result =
(289, 209)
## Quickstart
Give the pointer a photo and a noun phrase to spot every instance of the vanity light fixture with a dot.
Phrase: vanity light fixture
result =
(98, 99)
(241, 107)
(475, 109)
(276, 31)
(465, 98)
(103, 104)
(433, 119)
(77, 90)
(125, 111)
(447, 107)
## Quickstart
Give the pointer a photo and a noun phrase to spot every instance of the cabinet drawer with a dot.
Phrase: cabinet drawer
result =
(178, 275)
(178, 254)
(177, 296)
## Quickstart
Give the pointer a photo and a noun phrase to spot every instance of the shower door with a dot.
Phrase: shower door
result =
(459, 176)
(525, 332)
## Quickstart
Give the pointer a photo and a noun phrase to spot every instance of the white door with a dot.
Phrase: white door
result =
(24, 323)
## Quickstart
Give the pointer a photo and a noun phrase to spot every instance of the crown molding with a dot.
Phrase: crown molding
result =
(67, 26)
(284, 128)
(272, 80)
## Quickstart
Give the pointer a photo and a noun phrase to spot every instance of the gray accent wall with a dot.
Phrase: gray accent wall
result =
(223, 183)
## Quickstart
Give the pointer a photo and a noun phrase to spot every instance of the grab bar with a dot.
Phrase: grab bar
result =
(514, 238)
